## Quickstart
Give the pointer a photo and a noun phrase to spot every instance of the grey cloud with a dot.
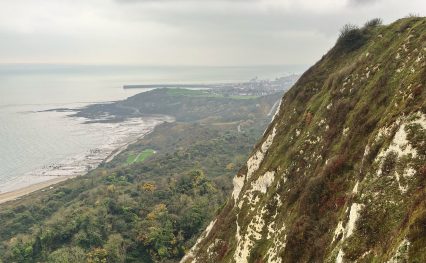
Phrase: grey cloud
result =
(207, 32)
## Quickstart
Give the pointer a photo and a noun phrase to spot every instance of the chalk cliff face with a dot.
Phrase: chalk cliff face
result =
(340, 174)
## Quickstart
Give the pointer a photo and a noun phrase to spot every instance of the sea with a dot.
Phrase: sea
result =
(32, 138)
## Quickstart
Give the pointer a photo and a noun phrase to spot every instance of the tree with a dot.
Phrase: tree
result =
(149, 187)
(97, 255)
(115, 248)
(66, 255)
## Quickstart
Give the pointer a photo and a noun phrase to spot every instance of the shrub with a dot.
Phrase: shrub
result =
(373, 22)
(350, 38)
(413, 15)
(346, 30)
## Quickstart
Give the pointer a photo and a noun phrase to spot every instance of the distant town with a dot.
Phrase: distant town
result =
(253, 87)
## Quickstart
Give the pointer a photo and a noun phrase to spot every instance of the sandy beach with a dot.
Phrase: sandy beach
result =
(8, 196)
(118, 136)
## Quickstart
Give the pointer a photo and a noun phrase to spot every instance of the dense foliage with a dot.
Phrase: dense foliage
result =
(147, 211)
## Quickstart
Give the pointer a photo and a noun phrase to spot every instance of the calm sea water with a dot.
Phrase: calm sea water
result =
(30, 139)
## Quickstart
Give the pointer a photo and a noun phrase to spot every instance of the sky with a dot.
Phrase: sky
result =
(183, 32)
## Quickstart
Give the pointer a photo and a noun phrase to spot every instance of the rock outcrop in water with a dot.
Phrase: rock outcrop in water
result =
(340, 173)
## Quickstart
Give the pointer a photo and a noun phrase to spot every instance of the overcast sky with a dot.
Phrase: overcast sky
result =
(183, 32)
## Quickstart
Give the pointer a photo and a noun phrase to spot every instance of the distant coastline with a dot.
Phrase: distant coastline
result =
(118, 122)
(154, 86)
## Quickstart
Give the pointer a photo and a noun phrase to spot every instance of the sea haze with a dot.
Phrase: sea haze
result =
(31, 139)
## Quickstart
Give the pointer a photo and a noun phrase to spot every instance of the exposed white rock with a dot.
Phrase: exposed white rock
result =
(297, 132)
(190, 254)
(400, 146)
(353, 217)
(278, 198)
(313, 140)
(245, 241)
(366, 152)
(263, 182)
(211, 246)
(253, 164)
(340, 255)
(410, 172)
(338, 231)
(401, 254)
(267, 143)
(277, 246)
(349, 229)
(271, 229)
(400, 187)
(385, 131)
(238, 183)
(355, 189)
(277, 111)
(398, 56)
(345, 131)
(404, 46)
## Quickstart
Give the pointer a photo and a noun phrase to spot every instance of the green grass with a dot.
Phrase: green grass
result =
(140, 157)
(204, 93)
(189, 92)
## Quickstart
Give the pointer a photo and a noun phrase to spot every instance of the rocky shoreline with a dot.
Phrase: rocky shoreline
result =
(117, 138)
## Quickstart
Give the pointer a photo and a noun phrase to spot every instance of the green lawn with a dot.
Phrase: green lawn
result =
(140, 157)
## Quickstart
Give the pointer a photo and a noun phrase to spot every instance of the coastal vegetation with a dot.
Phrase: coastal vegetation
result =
(150, 203)
(139, 157)
(206, 93)
(184, 105)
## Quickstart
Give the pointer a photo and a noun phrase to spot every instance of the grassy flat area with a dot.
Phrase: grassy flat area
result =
(204, 93)
(140, 157)
(243, 97)
(187, 92)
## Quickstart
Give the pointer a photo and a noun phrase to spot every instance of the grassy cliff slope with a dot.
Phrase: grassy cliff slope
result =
(340, 174)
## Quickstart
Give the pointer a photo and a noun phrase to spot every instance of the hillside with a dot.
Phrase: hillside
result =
(185, 105)
(340, 174)
(150, 203)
